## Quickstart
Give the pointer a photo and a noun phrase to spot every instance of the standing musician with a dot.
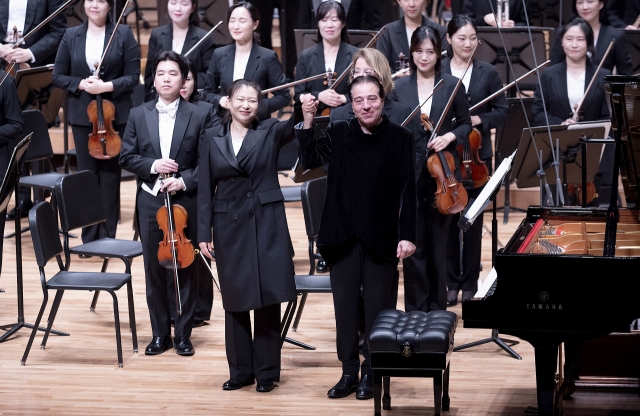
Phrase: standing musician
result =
(368, 219)
(245, 59)
(397, 37)
(332, 54)
(162, 137)
(594, 12)
(180, 36)
(480, 81)
(425, 273)
(483, 15)
(81, 48)
(239, 197)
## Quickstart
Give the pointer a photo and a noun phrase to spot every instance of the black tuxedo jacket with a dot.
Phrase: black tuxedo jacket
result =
(478, 9)
(394, 40)
(121, 66)
(484, 82)
(619, 56)
(311, 63)
(263, 67)
(553, 82)
(44, 42)
(162, 40)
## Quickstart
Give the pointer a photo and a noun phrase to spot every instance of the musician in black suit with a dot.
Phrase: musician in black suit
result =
(307, 13)
(595, 14)
(332, 54)
(482, 14)
(11, 127)
(425, 273)
(82, 46)
(245, 59)
(180, 36)
(395, 40)
(480, 81)
(623, 13)
(162, 137)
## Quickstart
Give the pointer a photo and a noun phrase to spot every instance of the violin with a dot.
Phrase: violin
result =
(104, 140)
(472, 167)
(175, 251)
(574, 191)
(328, 81)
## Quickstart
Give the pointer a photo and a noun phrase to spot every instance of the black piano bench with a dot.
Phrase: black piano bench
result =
(414, 344)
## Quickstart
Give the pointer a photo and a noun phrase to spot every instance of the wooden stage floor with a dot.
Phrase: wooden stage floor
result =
(79, 374)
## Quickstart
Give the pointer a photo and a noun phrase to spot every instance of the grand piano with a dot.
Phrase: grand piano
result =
(570, 274)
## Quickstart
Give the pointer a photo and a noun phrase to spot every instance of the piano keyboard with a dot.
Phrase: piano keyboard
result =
(488, 286)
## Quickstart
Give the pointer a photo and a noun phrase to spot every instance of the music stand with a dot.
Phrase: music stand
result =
(35, 89)
(306, 38)
(302, 175)
(519, 51)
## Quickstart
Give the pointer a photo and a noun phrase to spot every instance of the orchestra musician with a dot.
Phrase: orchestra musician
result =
(81, 48)
(480, 81)
(162, 137)
(180, 36)
(483, 15)
(623, 14)
(397, 37)
(239, 198)
(594, 12)
(332, 54)
(425, 273)
(368, 219)
(245, 59)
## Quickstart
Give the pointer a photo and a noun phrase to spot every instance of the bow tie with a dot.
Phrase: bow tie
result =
(169, 110)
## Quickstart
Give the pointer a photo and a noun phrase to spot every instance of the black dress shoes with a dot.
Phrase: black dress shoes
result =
(25, 206)
(183, 346)
(452, 298)
(233, 384)
(158, 345)
(467, 294)
(265, 386)
(322, 267)
(365, 389)
(347, 385)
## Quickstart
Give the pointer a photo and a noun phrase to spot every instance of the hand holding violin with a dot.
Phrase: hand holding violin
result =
(405, 249)
(19, 55)
(165, 166)
(94, 85)
(331, 98)
(441, 142)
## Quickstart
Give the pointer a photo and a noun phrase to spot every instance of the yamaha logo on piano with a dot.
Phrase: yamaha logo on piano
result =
(544, 297)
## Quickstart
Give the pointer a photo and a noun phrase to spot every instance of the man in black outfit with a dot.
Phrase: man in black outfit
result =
(371, 179)
(162, 137)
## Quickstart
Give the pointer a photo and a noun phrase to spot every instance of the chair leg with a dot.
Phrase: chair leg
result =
(52, 317)
(437, 393)
(445, 390)
(303, 299)
(116, 318)
(35, 328)
(386, 398)
(96, 294)
(377, 392)
(132, 317)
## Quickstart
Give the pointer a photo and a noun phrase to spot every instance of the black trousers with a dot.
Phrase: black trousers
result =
(358, 269)
(425, 272)
(156, 276)
(258, 357)
(5, 156)
(108, 173)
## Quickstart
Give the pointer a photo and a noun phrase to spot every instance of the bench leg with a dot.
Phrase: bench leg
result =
(377, 392)
(386, 399)
(437, 393)
(445, 390)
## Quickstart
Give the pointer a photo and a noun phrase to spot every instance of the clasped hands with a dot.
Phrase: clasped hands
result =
(9, 53)
(94, 85)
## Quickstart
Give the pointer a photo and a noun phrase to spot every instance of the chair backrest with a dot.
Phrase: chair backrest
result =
(40, 147)
(313, 193)
(44, 232)
(79, 200)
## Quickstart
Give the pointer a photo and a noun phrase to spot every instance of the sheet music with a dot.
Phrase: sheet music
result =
(486, 285)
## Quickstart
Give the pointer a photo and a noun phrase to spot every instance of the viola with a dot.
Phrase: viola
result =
(472, 167)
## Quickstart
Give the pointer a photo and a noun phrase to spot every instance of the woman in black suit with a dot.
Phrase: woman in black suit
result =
(595, 14)
(425, 273)
(480, 81)
(239, 197)
(180, 36)
(81, 47)
(245, 59)
(332, 54)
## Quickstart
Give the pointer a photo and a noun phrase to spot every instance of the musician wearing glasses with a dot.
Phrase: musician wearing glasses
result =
(180, 36)
(81, 49)
(332, 55)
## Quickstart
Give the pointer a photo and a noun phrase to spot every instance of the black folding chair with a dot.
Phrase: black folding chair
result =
(46, 244)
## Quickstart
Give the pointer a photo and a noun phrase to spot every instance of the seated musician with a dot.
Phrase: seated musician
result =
(245, 59)
(332, 54)
(484, 15)
(162, 137)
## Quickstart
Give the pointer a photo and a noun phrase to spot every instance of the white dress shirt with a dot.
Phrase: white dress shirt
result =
(240, 66)
(467, 77)
(17, 15)
(575, 89)
(93, 50)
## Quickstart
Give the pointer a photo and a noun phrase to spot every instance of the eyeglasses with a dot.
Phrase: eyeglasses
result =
(358, 72)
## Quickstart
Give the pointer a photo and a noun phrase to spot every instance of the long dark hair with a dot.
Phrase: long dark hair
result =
(253, 12)
(324, 9)
(195, 95)
(194, 18)
(586, 29)
(603, 15)
(420, 35)
(458, 22)
(233, 89)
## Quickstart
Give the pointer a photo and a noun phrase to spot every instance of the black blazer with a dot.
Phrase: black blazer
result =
(11, 125)
(478, 9)
(484, 82)
(141, 143)
(240, 198)
(121, 66)
(311, 62)
(553, 81)
(622, 12)
(395, 111)
(44, 42)
(394, 40)
(263, 67)
(162, 40)
(618, 57)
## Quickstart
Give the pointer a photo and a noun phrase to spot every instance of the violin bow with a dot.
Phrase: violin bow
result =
(172, 231)
(113, 35)
(419, 106)
(209, 33)
(294, 83)
(593, 78)
(345, 73)
(213, 277)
